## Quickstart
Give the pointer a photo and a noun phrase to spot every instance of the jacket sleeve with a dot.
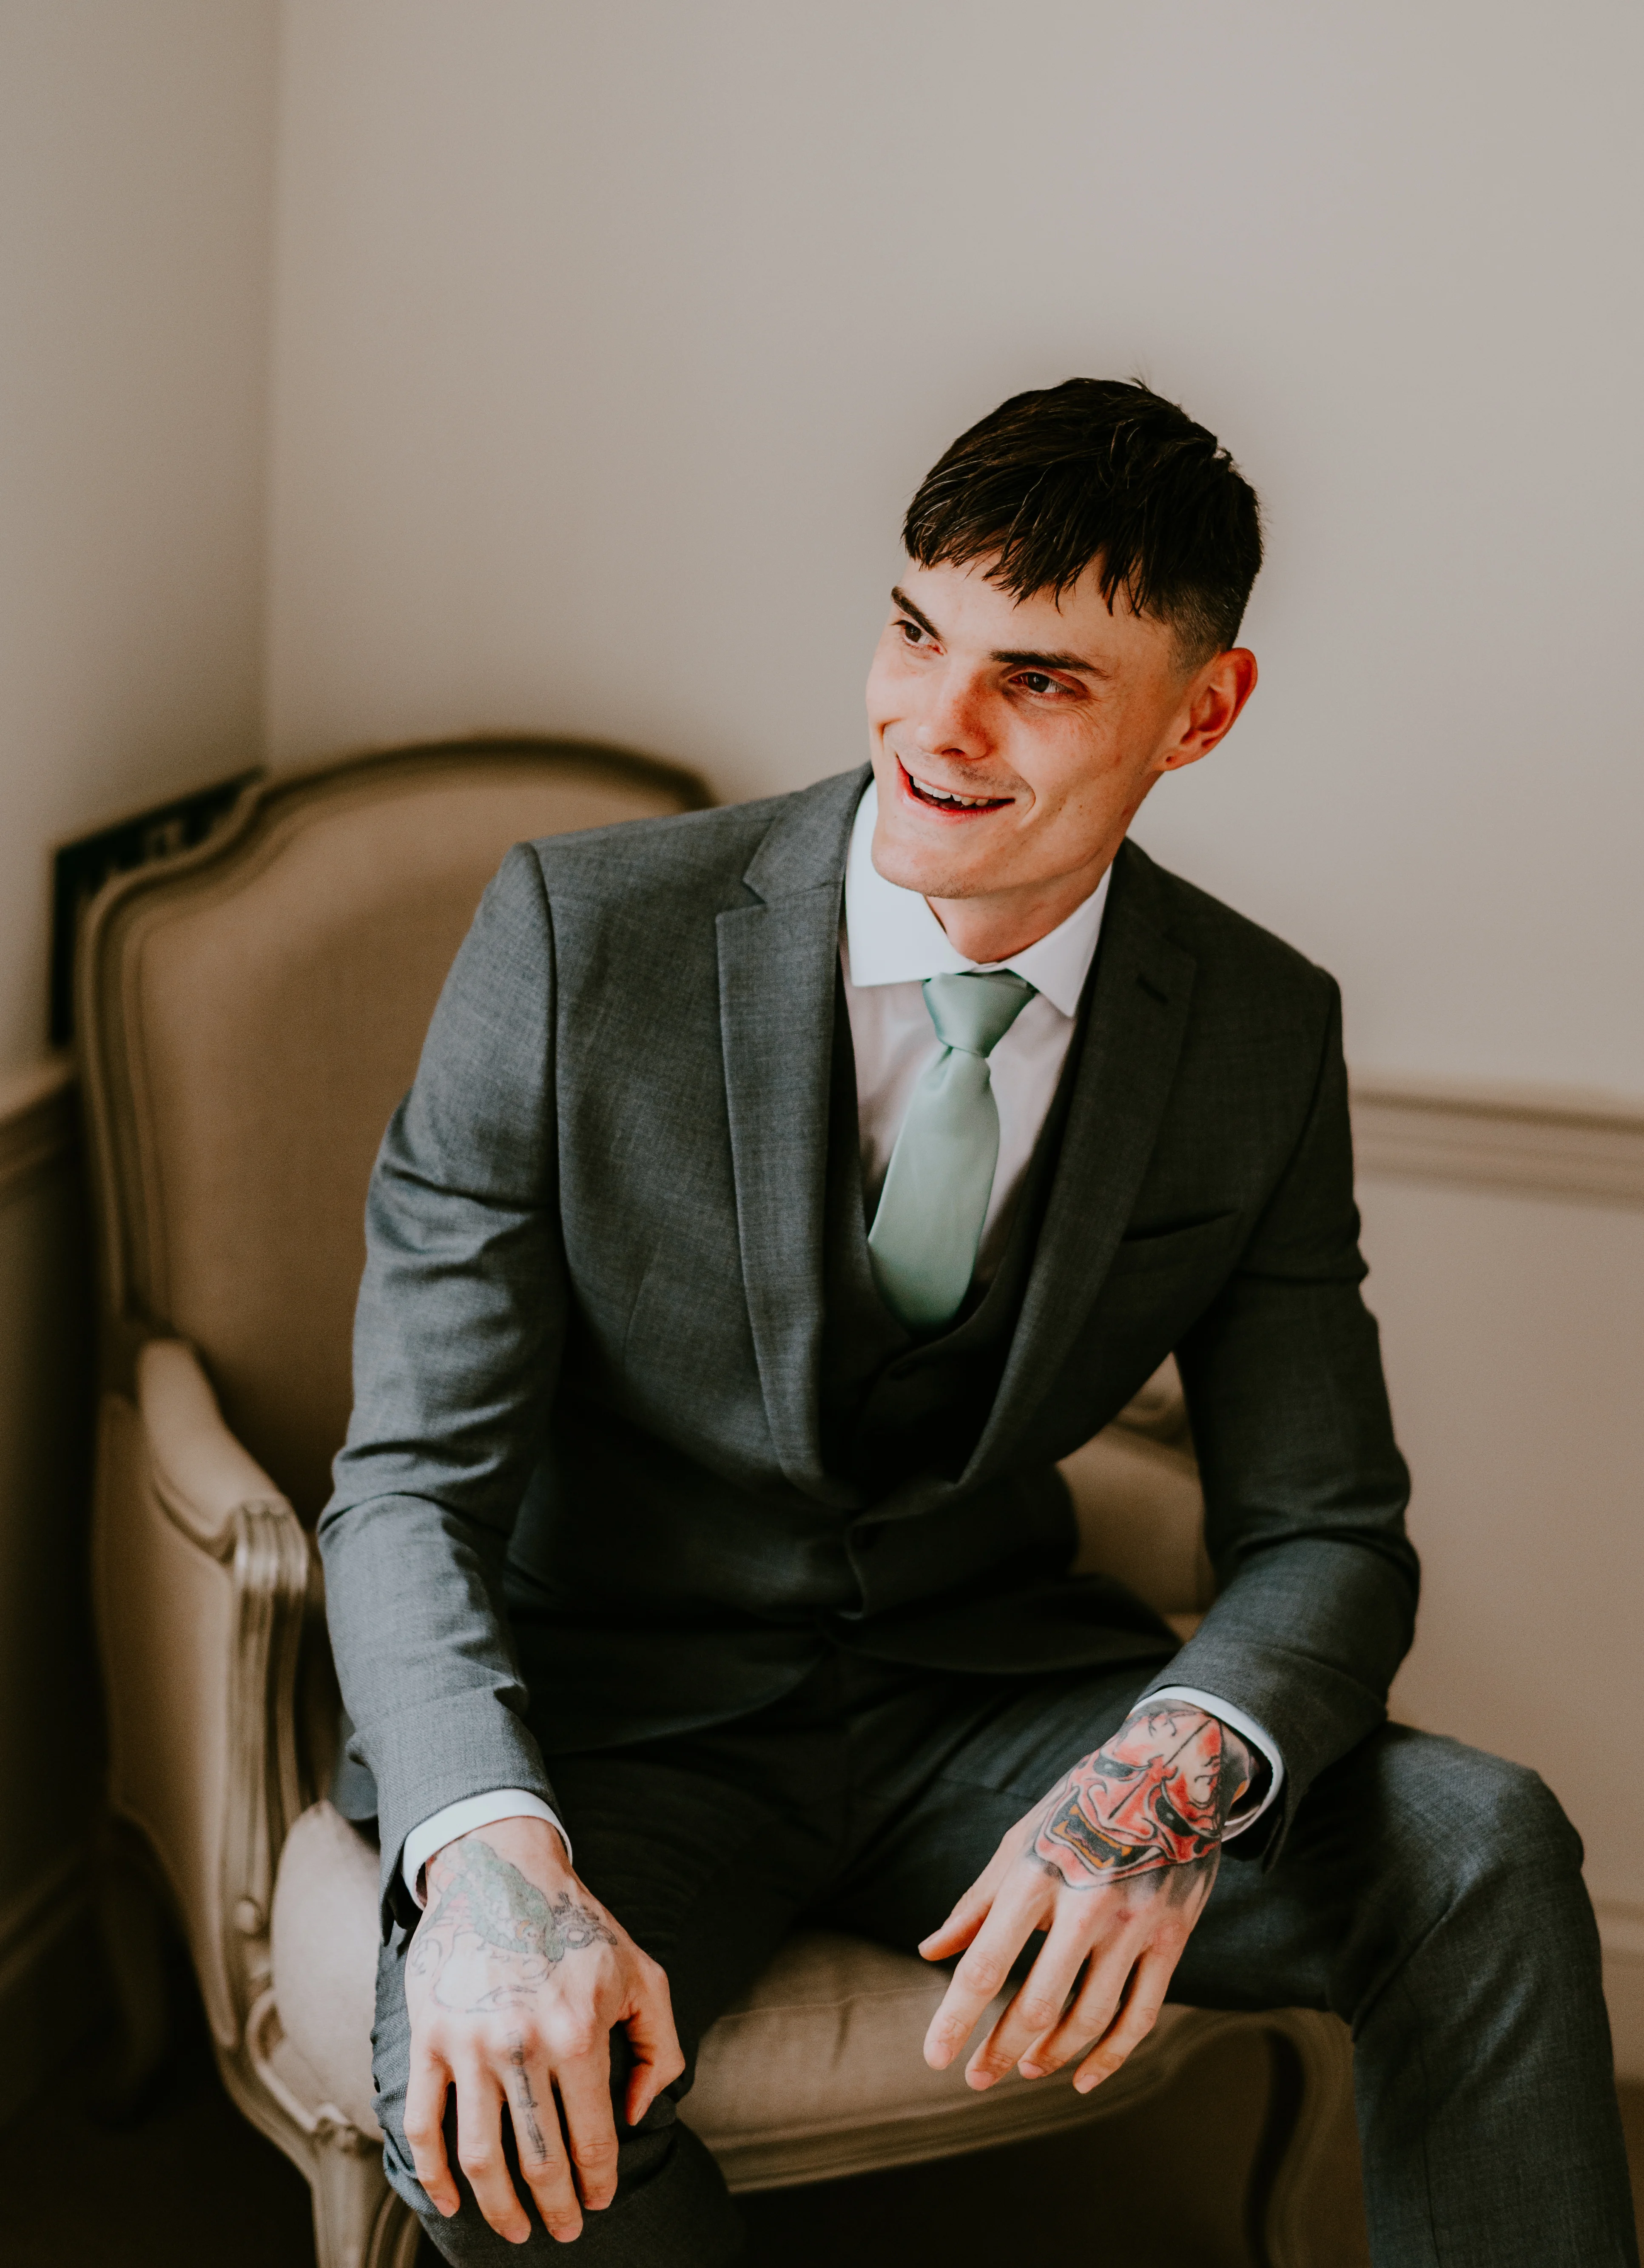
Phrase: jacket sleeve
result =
(457, 1344)
(1304, 1488)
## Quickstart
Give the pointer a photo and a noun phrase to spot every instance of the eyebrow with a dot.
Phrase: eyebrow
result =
(1012, 657)
(1015, 658)
(900, 597)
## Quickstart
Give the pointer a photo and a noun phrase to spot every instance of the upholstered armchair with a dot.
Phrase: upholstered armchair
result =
(250, 1011)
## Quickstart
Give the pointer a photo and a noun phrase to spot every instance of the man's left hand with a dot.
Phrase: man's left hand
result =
(1115, 1865)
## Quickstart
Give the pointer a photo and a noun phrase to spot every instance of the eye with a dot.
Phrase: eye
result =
(911, 632)
(1034, 681)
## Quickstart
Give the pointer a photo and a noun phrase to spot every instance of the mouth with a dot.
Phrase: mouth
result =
(944, 799)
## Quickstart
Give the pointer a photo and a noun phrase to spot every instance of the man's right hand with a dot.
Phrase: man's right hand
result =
(514, 1980)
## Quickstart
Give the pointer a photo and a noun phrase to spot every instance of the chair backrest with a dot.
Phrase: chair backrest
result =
(250, 1013)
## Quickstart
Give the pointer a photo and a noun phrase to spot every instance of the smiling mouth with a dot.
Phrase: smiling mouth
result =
(941, 799)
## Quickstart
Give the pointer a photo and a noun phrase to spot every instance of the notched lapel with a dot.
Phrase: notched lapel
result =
(778, 963)
(1138, 1012)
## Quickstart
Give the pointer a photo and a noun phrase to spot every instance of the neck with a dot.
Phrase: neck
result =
(995, 925)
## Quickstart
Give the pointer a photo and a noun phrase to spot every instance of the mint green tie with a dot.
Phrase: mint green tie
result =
(935, 1200)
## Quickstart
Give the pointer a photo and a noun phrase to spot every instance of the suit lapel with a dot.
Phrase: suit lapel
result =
(778, 984)
(1136, 1016)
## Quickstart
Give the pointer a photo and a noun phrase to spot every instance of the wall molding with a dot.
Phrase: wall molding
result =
(1560, 1142)
(41, 1911)
(40, 1121)
(52, 1979)
(1546, 1141)
(1621, 1927)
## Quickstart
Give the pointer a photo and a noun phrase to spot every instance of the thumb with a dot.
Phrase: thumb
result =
(657, 2059)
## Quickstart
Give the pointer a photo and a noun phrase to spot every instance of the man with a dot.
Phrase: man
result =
(783, 1191)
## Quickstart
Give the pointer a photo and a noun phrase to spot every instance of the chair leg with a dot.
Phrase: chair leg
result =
(358, 2220)
(1296, 2183)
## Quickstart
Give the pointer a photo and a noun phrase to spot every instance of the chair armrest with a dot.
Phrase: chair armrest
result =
(199, 1469)
(201, 1578)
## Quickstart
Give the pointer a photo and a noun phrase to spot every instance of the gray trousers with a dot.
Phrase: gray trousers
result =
(1428, 1893)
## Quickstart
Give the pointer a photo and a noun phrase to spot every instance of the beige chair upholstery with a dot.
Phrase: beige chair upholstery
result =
(250, 1013)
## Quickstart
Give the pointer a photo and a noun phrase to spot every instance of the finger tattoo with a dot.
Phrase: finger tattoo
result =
(524, 2100)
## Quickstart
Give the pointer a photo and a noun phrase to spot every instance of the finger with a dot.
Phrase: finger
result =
(658, 2060)
(479, 2151)
(1037, 2005)
(981, 1975)
(972, 1911)
(961, 1925)
(538, 2141)
(1136, 2020)
(590, 2127)
(1088, 2017)
(425, 2130)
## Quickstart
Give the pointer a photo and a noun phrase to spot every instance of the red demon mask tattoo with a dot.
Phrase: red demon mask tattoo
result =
(1158, 1795)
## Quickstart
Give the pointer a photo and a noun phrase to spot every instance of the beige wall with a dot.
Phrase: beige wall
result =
(611, 339)
(135, 180)
(136, 156)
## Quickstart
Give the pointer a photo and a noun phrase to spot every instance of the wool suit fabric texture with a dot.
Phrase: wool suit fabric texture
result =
(589, 1341)
(590, 1364)
(1429, 1896)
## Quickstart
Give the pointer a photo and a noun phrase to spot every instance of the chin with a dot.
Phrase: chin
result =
(930, 868)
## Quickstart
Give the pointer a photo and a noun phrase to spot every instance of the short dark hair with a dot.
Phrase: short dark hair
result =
(1098, 468)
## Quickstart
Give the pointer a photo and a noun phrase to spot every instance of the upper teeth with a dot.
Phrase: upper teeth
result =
(946, 795)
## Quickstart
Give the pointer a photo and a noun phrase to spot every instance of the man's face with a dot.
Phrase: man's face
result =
(1049, 721)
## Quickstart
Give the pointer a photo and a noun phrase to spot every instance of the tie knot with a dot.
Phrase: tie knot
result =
(973, 1009)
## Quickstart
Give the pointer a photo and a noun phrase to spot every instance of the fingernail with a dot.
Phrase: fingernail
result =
(1031, 2070)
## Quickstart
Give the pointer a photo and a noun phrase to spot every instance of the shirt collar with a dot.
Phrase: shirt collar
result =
(891, 937)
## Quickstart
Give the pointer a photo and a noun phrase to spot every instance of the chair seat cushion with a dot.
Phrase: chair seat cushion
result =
(818, 2070)
(815, 2072)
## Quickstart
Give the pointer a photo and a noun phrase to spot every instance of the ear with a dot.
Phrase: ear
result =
(1218, 690)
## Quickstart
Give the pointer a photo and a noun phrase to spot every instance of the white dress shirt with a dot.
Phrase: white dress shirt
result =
(890, 942)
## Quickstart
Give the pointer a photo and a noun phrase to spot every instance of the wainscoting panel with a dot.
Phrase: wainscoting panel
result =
(1506, 1244)
(50, 1767)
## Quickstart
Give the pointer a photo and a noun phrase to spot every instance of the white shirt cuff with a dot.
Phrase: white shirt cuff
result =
(462, 1818)
(1257, 1737)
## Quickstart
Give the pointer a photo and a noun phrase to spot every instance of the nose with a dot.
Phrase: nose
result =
(952, 722)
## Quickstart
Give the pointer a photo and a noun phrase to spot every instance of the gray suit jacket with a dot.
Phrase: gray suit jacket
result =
(589, 1343)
